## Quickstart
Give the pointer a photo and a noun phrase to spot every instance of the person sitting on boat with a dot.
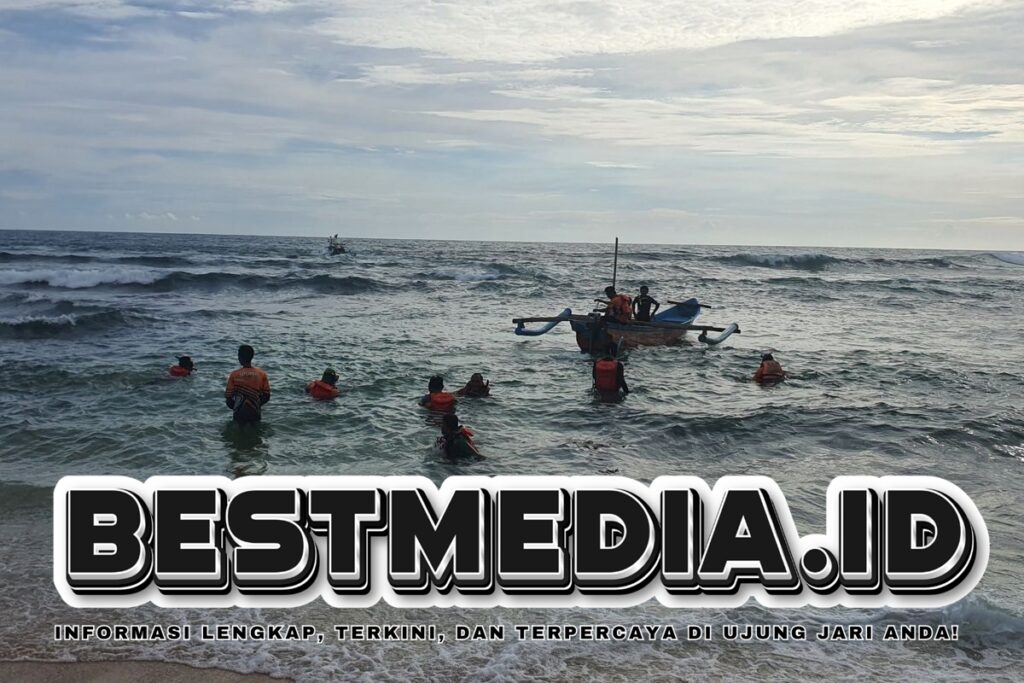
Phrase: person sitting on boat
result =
(325, 388)
(248, 389)
(609, 377)
(184, 368)
(476, 387)
(769, 372)
(437, 398)
(642, 306)
(620, 306)
(456, 440)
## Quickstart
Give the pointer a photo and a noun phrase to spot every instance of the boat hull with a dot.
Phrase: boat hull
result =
(625, 335)
(622, 334)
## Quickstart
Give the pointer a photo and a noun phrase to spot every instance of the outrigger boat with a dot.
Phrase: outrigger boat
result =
(596, 333)
(334, 246)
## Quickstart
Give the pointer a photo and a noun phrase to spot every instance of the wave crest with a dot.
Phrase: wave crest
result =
(1014, 257)
(812, 262)
(65, 324)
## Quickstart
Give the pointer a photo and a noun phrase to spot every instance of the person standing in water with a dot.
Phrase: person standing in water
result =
(248, 389)
(642, 306)
(609, 377)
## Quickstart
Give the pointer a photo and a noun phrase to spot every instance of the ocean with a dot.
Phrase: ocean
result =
(900, 362)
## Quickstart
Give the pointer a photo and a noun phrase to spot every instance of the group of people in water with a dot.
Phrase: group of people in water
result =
(248, 387)
(248, 390)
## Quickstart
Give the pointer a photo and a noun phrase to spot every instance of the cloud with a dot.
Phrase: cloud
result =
(730, 122)
(149, 217)
(539, 30)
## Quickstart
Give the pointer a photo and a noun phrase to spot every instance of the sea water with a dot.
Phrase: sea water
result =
(900, 362)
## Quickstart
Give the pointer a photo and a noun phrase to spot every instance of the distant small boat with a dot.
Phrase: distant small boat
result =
(596, 333)
(334, 246)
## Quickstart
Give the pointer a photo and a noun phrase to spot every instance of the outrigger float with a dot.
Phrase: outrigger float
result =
(596, 333)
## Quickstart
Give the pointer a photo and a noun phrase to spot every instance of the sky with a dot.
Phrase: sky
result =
(887, 123)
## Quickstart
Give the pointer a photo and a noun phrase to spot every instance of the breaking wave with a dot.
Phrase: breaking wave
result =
(811, 262)
(63, 325)
(816, 262)
(153, 261)
(165, 281)
(79, 278)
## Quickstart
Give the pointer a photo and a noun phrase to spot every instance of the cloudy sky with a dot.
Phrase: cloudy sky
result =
(819, 122)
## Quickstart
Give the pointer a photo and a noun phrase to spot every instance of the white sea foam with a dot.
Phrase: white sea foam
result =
(80, 278)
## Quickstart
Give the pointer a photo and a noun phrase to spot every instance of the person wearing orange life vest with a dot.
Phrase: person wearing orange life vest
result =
(247, 390)
(437, 398)
(609, 377)
(769, 372)
(325, 388)
(620, 306)
(456, 440)
(184, 368)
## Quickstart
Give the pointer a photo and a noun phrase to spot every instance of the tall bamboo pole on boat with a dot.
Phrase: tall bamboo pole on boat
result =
(615, 263)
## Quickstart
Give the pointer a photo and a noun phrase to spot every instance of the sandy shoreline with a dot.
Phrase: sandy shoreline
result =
(102, 672)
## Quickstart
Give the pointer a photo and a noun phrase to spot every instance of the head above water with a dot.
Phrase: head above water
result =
(450, 422)
(330, 376)
(185, 362)
(245, 354)
(609, 291)
(767, 356)
(435, 384)
(476, 378)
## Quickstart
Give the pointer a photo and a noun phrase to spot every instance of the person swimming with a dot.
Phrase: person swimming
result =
(620, 306)
(184, 368)
(456, 440)
(476, 387)
(248, 389)
(770, 371)
(609, 377)
(642, 306)
(437, 398)
(325, 388)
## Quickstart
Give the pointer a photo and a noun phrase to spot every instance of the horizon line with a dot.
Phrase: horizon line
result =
(496, 241)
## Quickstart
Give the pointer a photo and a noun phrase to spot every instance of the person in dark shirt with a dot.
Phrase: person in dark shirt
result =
(456, 441)
(642, 306)
(247, 389)
(476, 387)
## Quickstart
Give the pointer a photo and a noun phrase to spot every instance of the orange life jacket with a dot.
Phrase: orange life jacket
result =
(441, 400)
(770, 371)
(178, 371)
(606, 376)
(321, 390)
(621, 307)
(466, 432)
